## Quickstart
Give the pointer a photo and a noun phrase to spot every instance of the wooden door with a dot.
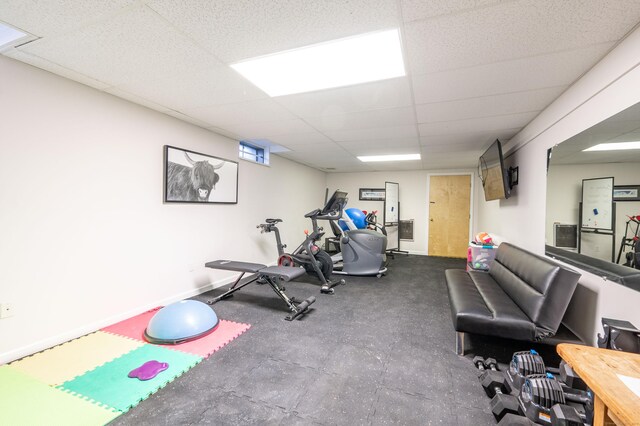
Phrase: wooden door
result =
(449, 207)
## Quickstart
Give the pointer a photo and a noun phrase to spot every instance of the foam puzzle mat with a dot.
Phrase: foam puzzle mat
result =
(225, 332)
(85, 381)
(68, 360)
(27, 401)
(110, 385)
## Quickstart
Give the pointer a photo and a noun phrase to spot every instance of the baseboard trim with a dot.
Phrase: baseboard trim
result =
(50, 342)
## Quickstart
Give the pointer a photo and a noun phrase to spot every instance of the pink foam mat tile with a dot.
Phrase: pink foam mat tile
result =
(205, 346)
(132, 327)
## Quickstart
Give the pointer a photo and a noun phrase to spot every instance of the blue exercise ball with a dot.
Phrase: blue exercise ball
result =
(180, 322)
(357, 217)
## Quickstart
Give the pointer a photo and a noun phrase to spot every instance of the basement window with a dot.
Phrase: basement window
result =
(255, 153)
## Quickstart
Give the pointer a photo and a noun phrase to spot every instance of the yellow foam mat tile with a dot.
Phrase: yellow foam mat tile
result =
(64, 362)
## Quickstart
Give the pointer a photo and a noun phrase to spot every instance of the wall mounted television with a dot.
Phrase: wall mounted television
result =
(492, 173)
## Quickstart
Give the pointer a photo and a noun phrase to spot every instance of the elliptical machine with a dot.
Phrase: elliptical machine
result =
(362, 251)
(315, 261)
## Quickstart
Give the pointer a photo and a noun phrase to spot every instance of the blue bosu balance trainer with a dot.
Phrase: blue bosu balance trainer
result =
(180, 322)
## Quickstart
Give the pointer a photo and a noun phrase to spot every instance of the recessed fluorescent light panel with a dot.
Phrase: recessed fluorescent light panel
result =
(354, 60)
(9, 35)
(616, 146)
(395, 157)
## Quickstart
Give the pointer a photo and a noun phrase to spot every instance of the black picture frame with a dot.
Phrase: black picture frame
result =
(372, 194)
(214, 181)
(626, 193)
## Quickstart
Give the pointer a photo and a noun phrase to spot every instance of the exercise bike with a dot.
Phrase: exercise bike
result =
(315, 261)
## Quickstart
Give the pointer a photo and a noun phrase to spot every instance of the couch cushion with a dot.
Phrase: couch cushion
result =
(541, 288)
(479, 305)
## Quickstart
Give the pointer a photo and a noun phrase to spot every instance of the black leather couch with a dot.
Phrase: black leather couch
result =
(523, 297)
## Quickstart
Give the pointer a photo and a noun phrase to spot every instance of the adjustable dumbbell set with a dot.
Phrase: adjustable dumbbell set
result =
(530, 393)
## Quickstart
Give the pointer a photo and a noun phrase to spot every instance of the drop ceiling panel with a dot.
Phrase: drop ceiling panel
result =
(475, 145)
(478, 69)
(414, 10)
(552, 70)
(138, 42)
(373, 133)
(135, 99)
(310, 148)
(388, 145)
(392, 93)
(364, 119)
(486, 106)
(209, 84)
(297, 139)
(259, 111)
(515, 30)
(237, 30)
(54, 68)
(268, 129)
(483, 139)
(366, 150)
(495, 123)
(396, 165)
(58, 16)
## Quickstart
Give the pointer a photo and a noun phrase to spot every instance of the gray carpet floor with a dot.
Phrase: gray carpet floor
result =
(379, 351)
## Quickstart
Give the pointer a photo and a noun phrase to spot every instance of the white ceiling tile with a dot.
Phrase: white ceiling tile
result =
(51, 17)
(54, 68)
(483, 138)
(207, 84)
(414, 10)
(477, 124)
(135, 99)
(325, 147)
(393, 132)
(381, 143)
(383, 150)
(364, 119)
(268, 129)
(515, 30)
(137, 42)
(241, 29)
(259, 111)
(486, 106)
(551, 70)
(297, 139)
(396, 165)
(392, 93)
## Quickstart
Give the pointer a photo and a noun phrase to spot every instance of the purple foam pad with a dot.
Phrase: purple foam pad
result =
(148, 370)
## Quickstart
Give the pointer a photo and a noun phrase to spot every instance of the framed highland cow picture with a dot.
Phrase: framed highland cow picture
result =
(193, 177)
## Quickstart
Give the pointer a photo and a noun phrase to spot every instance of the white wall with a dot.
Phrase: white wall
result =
(564, 193)
(86, 239)
(414, 202)
(610, 87)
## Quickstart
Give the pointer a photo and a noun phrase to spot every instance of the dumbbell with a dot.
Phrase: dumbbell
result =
(543, 399)
(525, 363)
(561, 415)
(495, 386)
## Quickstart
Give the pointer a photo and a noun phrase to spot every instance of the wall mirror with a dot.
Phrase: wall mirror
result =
(593, 200)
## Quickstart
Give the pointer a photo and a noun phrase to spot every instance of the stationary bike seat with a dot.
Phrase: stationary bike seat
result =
(273, 220)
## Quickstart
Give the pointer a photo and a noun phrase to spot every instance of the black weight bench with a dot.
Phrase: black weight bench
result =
(264, 274)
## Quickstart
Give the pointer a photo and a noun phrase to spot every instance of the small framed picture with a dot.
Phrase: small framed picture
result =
(193, 177)
(372, 194)
(626, 193)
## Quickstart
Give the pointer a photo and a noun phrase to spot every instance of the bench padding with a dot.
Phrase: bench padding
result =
(524, 296)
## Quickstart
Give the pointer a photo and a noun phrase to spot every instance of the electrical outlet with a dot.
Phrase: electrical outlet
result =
(6, 310)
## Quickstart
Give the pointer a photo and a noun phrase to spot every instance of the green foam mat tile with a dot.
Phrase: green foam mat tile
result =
(27, 401)
(109, 384)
